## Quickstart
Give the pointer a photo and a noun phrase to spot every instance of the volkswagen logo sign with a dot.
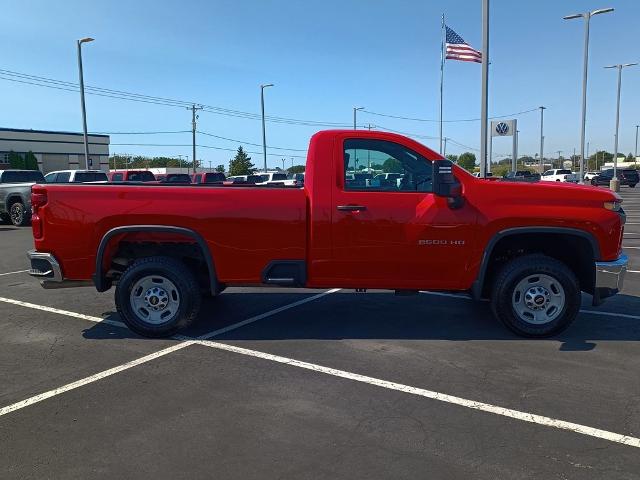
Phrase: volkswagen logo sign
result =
(502, 128)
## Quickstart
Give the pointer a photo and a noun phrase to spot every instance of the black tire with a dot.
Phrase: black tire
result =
(632, 185)
(18, 214)
(165, 268)
(4, 218)
(503, 294)
(594, 183)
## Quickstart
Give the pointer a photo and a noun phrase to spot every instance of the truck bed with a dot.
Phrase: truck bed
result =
(242, 225)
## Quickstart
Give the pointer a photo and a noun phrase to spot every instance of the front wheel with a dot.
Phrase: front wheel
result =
(157, 296)
(536, 296)
(18, 215)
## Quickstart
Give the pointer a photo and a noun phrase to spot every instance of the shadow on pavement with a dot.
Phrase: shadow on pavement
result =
(347, 315)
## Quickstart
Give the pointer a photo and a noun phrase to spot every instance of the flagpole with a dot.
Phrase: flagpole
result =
(441, 78)
(485, 89)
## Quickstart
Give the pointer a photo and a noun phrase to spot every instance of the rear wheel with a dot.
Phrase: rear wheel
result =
(18, 215)
(157, 296)
(536, 296)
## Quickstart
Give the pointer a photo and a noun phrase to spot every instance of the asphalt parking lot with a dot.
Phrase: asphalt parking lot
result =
(278, 383)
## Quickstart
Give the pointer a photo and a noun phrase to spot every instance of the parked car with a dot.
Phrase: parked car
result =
(297, 178)
(488, 174)
(521, 176)
(131, 176)
(589, 175)
(174, 178)
(273, 177)
(76, 176)
(559, 175)
(627, 176)
(15, 195)
(441, 229)
(208, 177)
(245, 179)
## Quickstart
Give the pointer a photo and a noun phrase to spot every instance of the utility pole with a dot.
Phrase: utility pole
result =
(291, 162)
(194, 117)
(573, 159)
(542, 109)
(210, 165)
(444, 150)
(355, 110)
(559, 159)
(264, 128)
(283, 164)
(636, 154)
(587, 158)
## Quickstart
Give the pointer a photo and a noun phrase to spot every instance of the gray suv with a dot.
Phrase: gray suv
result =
(15, 195)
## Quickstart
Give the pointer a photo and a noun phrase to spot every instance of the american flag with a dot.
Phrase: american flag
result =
(458, 49)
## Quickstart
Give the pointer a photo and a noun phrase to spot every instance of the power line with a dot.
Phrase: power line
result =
(139, 133)
(250, 143)
(200, 146)
(447, 121)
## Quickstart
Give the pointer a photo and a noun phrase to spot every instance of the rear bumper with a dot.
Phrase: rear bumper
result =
(45, 267)
(609, 278)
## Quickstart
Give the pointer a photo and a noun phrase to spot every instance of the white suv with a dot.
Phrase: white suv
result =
(76, 176)
(559, 175)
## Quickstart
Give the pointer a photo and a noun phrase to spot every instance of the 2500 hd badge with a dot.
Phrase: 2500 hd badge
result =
(457, 243)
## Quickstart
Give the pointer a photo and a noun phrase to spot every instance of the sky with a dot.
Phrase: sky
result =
(324, 57)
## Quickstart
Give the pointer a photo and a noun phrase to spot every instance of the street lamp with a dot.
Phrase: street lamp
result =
(355, 110)
(542, 109)
(587, 17)
(615, 183)
(84, 111)
(264, 132)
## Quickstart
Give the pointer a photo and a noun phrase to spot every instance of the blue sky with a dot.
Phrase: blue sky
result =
(324, 57)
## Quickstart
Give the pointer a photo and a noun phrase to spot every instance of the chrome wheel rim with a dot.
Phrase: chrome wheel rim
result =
(538, 299)
(16, 213)
(155, 299)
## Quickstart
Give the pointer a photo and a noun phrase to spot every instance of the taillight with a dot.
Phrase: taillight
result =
(38, 199)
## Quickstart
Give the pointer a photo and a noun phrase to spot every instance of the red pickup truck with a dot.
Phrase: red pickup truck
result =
(529, 248)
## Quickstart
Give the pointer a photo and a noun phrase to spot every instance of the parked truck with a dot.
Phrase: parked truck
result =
(15, 195)
(531, 249)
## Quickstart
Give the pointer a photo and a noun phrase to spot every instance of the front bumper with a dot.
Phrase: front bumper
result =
(609, 278)
(45, 267)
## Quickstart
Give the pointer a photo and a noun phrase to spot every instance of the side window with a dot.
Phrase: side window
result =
(379, 165)
(117, 177)
(63, 177)
(50, 177)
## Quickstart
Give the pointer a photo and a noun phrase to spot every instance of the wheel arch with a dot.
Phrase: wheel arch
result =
(586, 248)
(102, 283)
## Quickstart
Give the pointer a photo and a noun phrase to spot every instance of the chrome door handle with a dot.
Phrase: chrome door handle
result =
(351, 208)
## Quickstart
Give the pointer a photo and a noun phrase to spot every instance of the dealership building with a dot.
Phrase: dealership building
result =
(54, 150)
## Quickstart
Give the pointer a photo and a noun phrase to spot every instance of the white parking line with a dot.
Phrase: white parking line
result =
(13, 273)
(93, 378)
(442, 397)
(235, 326)
(66, 313)
(185, 342)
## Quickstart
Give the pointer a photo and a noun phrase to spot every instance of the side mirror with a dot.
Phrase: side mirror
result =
(445, 183)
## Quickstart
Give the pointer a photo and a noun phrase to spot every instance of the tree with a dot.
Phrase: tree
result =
(630, 158)
(30, 161)
(16, 160)
(467, 161)
(220, 169)
(296, 169)
(391, 165)
(453, 158)
(241, 164)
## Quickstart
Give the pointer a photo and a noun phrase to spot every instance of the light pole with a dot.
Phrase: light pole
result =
(264, 131)
(84, 110)
(587, 17)
(484, 102)
(559, 158)
(355, 110)
(542, 109)
(615, 183)
(635, 156)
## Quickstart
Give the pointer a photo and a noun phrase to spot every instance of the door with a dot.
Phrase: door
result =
(388, 229)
